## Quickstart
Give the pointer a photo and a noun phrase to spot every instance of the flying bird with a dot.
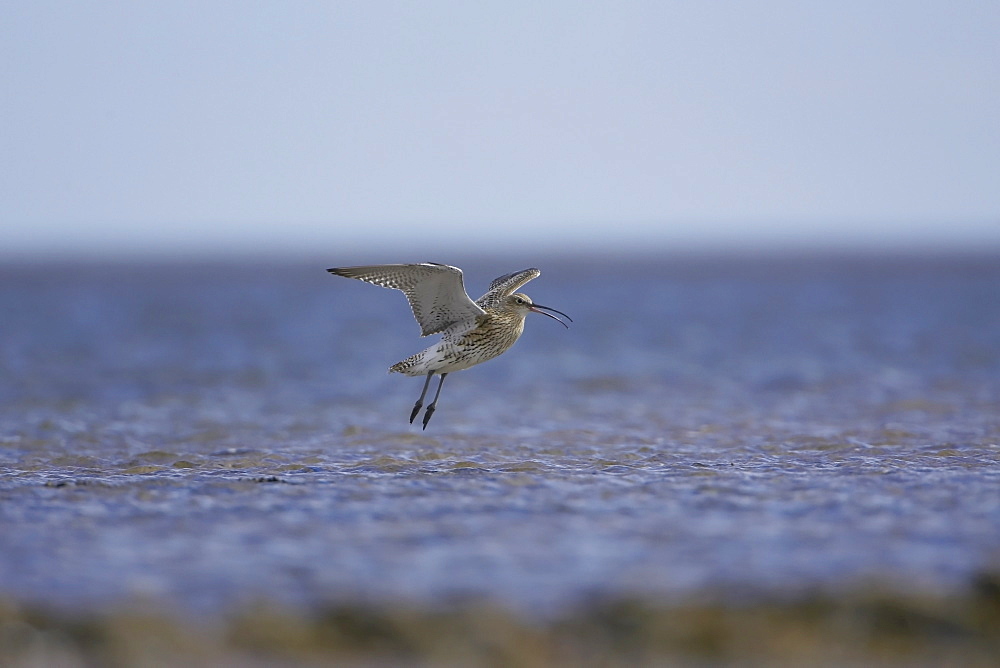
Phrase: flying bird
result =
(472, 332)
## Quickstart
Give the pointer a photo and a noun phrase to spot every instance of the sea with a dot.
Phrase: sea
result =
(205, 435)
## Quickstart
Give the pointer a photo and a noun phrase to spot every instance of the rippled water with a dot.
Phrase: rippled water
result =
(204, 436)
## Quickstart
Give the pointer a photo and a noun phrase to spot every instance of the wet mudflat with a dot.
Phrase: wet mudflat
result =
(766, 449)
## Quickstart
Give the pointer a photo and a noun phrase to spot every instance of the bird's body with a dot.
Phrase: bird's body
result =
(472, 332)
(494, 335)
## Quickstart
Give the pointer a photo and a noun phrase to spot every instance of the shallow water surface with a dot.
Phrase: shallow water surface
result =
(207, 436)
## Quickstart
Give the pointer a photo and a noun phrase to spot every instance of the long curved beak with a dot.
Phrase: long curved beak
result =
(536, 307)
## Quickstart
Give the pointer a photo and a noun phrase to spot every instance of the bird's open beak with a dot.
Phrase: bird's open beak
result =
(536, 307)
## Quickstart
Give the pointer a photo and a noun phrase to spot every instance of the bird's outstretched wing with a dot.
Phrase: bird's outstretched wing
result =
(435, 291)
(505, 286)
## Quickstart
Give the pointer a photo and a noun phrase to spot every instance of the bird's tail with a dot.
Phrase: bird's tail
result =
(409, 366)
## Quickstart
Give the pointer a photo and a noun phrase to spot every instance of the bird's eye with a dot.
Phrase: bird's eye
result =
(519, 300)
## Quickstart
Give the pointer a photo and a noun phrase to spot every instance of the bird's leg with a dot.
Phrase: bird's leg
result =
(433, 405)
(420, 401)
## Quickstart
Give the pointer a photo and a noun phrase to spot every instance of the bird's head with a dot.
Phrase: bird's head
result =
(521, 304)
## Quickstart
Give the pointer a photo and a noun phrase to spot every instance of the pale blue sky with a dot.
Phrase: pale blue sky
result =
(160, 126)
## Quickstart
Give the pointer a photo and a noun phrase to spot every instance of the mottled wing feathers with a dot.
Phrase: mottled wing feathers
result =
(505, 286)
(435, 291)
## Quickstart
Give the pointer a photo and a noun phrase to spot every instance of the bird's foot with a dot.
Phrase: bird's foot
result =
(427, 414)
(416, 409)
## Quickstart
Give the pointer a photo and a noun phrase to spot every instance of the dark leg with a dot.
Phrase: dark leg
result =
(430, 409)
(420, 401)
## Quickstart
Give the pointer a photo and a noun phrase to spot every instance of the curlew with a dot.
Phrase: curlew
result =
(472, 332)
